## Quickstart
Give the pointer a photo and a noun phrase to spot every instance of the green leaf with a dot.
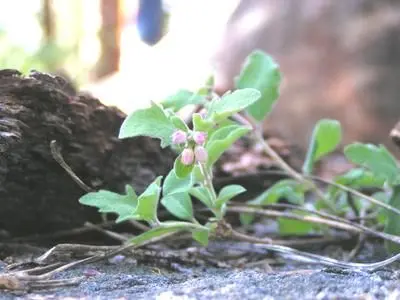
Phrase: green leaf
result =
(150, 122)
(375, 158)
(227, 193)
(382, 215)
(109, 202)
(182, 170)
(223, 139)
(208, 86)
(289, 189)
(325, 138)
(181, 99)
(246, 219)
(179, 205)
(174, 184)
(201, 193)
(393, 221)
(179, 123)
(153, 233)
(201, 236)
(232, 103)
(358, 178)
(294, 227)
(261, 72)
(221, 132)
(200, 124)
(146, 208)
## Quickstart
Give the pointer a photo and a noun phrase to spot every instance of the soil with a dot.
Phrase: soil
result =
(128, 279)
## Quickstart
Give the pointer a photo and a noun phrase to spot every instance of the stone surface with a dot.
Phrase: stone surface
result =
(130, 281)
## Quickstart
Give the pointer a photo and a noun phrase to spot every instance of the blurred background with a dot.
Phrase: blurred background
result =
(340, 59)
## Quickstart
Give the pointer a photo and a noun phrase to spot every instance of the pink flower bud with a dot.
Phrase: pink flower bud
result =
(199, 137)
(179, 137)
(187, 157)
(203, 113)
(201, 154)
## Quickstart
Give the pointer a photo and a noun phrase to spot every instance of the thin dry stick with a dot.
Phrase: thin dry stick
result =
(356, 193)
(38, 277)
(360, 241)
(55, 151)
(310, 257)
(300, 208)
(356, 228)
(114, 235)
(138, 225)
(279, 214)
(342, 187)
(291, 172)
(248, 121)
(299, 242)
(110, 251)
(309, 241)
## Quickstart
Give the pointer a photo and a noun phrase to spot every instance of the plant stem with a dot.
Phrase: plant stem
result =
(344, 225)
(257, 131)
(358, 194)
(340, 186)
(261, 243)
(292, 172)
(208, 183)
(181, 225)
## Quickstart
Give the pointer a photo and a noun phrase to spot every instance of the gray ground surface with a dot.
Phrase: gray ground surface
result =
(127, 280)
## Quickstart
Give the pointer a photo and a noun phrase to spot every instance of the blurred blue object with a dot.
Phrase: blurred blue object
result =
(150, 21)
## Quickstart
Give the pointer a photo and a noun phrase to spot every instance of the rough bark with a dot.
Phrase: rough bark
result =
(36, 194)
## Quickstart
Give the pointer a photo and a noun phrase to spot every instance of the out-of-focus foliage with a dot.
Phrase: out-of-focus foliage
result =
(48, 58)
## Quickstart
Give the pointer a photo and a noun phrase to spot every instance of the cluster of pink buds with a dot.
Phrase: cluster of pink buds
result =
(179, 137)
(192, 153)
(199, 137)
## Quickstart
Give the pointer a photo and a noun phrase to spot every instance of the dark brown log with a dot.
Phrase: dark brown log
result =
(36, 194)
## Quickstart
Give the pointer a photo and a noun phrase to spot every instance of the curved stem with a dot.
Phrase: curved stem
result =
(292, 172)
(178, 225)
(296, 254)
(348, 226)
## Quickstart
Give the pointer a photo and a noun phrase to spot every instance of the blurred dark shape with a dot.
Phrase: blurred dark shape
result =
(340, 59)
(150, 21)
(110, 40)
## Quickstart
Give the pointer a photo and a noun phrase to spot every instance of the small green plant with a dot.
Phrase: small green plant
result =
(198, 149)
(220, 124)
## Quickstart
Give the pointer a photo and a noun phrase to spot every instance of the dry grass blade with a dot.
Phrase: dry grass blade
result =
(345, 225)
(38, 278)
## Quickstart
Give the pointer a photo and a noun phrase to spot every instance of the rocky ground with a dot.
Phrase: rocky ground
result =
(126, 279)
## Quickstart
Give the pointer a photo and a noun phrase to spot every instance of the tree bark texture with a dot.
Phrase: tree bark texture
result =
(36, 194)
